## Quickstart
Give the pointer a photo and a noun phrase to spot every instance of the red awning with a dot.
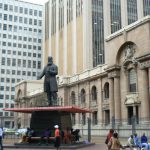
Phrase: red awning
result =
(71, 109)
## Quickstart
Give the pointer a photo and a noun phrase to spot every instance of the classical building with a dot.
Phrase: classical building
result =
(103, 61)
(118, 92)
(20, 50)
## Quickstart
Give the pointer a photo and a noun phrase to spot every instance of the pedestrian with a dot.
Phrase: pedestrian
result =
(114, 142)
(1, 138)
(46, 134)
(57, 137)
(109, 136)
(131, 142)
(144, 142)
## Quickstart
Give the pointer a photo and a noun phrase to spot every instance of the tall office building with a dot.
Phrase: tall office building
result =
(76, 29)
(20, 50)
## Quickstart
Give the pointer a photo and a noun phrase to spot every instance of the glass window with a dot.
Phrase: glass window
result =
(1, 105)
(30, 11)
(19, 45)
(73, 98)
(40, 13)
(26, 10)
(35, 12)
(94, 117)
(25, 20)
(94, 93)
(30, 21)
(40, 22)
(19, 53)
(19, 63)
(35, 22)
(4, 36)
(23, 73)
(15, 28)
(16, 8)
(21, 10)
(2, 88)
(1, 96)
(15, 18)
(3, 51)
(10, 7)
(1, 5)
(34, 64)
(106, 90)
(132, 80)
(20, 19)
(10, 27)
(10, 17)
(0, 16)
(5, 16)
(5, 7)
(4, 26)
(83, 96)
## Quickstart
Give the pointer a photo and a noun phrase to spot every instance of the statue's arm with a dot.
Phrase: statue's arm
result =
(42, 74)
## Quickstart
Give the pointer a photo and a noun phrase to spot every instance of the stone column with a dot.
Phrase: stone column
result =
(100, 111)
(111, 98)
(144, 94)
(149, 81)
(117, 99)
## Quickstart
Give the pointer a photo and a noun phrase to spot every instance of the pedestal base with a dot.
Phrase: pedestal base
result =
(41, 120)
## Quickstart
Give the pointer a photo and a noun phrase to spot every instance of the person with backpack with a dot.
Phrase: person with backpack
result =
(109, 136)
(114, 143)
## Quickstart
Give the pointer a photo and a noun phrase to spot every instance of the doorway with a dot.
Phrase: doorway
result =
(130, 114)
(107, 117)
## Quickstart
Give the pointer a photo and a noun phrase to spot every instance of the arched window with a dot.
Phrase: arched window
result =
(132, 80)
(106, 90)
(83, 98)
(94, 93)
(73, 97)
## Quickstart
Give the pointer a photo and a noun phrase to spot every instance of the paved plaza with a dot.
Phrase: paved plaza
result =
(94, 147)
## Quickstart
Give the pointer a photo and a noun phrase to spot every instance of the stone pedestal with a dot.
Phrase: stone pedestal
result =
(41, 120)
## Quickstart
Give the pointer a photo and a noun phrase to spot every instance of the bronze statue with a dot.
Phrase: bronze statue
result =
(50, 84)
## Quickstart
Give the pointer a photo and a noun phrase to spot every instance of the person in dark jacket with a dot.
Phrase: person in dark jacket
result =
(46, 134)
(50, 83)
(144, 142)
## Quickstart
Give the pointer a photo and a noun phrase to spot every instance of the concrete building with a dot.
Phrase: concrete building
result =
(102, 49)
(20, 50)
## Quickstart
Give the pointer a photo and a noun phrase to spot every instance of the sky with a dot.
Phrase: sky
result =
(36, 1)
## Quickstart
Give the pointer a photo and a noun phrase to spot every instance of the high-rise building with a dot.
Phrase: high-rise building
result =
(76, 29)
(20, 50)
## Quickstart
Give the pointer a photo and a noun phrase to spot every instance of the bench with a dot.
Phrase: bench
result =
(127, 146)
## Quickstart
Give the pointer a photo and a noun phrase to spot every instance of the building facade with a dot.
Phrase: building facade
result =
(102, 50)
(76, 30)
(118, 92)
(20, 50)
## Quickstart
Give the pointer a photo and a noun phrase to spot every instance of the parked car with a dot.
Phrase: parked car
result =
(21, 131)
(8, 131)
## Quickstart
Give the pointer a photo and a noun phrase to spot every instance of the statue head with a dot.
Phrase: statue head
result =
(50, 60)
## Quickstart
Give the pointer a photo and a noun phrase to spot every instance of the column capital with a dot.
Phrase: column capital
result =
(113, 71)
(114, 74)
